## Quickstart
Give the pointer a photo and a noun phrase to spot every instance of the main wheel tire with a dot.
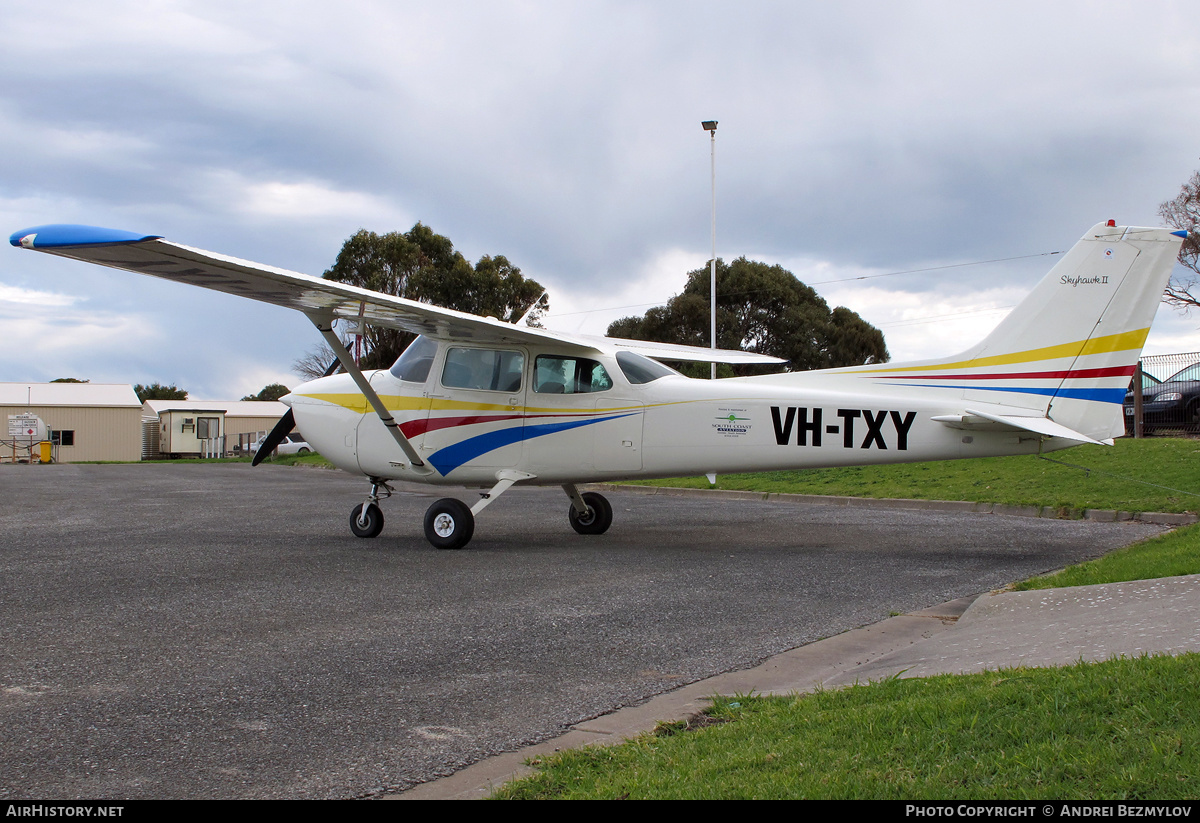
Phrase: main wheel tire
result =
(598, 518)
(371, 523)
(449, 524)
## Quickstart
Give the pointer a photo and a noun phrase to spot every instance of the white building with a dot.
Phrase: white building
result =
(241, 422)
(84, 421)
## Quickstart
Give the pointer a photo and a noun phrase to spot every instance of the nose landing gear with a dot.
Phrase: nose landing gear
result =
(590, 513)
(366, 519)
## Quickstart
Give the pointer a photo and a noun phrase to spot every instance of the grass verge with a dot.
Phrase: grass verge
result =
(1168, 555)
(312, 459)
(1124, 729)
(1118, 477)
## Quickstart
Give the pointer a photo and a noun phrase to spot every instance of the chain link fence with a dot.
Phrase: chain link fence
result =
(1168, 402)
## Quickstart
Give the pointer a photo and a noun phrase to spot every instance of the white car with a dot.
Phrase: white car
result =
(294, 443)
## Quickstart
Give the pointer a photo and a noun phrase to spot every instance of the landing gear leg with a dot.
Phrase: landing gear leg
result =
(590, 513)
(366, 519)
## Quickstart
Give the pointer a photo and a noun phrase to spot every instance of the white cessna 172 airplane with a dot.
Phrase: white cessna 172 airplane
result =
(481, 403)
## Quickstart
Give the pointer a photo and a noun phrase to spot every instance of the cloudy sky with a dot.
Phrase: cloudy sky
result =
(855, 139)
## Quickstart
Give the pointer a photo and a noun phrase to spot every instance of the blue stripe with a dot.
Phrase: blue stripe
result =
(1100, 395)
(450, 458)
(59, 235)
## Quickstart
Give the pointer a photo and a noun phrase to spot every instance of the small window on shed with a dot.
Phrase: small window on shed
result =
(63, 437)
(207, 427)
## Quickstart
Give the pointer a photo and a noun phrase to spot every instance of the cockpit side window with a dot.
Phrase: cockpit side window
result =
(556, 374)
(413, 365)
(483, 370)
(638, 369)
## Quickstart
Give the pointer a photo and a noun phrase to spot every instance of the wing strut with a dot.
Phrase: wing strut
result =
(324, 324)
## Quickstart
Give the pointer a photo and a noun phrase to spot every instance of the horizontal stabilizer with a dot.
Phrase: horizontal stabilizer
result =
(976, 420)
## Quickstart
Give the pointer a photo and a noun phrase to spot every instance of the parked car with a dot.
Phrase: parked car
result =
(1172, 404)
(294, 443)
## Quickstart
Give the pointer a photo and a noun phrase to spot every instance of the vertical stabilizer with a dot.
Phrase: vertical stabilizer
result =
(1068, 350)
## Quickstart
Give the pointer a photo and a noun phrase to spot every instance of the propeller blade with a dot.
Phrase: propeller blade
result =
(282, 429)
(332, 367)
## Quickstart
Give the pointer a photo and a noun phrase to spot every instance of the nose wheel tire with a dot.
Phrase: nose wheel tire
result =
(368, 523)
(449, 524)
(598, 518)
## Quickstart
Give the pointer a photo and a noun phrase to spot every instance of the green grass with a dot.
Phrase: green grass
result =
(312, 459)
(1124, 729)
(1118, 479)
(1170, 555)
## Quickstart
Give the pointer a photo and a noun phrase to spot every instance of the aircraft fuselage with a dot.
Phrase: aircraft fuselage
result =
(670, 426)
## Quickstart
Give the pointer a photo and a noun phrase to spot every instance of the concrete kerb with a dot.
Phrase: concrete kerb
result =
(823, 663)
(1054, 512)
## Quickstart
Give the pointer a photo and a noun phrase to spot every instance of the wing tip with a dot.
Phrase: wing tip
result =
(64, 235)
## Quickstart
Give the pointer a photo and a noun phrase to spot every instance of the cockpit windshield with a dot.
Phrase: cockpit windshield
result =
(414, 364)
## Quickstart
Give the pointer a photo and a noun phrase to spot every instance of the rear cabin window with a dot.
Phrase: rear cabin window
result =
(413, 365)
(483, 370)
(553, 374)
(638, 369)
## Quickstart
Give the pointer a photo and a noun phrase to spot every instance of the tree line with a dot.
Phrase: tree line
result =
(760, 307)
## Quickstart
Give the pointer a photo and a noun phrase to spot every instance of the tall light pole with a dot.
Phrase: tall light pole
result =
(710, 126)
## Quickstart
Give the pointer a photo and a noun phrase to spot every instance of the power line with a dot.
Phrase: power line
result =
(916, 321)
(826, 282)
(937, 268)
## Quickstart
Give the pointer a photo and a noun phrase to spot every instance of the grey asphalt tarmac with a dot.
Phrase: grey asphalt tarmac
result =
(201, 631)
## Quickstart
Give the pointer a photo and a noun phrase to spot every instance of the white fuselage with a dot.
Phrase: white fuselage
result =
(670, 426)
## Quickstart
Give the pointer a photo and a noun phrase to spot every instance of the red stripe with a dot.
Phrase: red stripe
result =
(1074, 374)
(412, 428)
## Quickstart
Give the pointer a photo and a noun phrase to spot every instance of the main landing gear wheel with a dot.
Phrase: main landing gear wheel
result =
(598, 518)
(449, 524)
(368, 523)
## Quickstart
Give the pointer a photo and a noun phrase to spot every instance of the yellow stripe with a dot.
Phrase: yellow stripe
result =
(1096, 345)
(358, 403)
(353, 402)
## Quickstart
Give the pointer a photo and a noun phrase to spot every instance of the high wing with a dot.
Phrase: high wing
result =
(151, 254)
